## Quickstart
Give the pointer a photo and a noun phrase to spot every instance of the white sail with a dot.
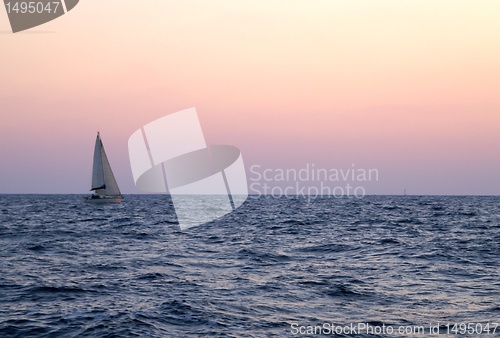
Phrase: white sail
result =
(103, 180)
(97, 170)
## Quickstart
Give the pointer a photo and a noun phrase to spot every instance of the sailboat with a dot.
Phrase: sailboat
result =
(103, 181)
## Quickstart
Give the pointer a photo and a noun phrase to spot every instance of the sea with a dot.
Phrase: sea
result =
(378, 266)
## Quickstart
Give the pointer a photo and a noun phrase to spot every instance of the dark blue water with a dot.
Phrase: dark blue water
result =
(71, 269)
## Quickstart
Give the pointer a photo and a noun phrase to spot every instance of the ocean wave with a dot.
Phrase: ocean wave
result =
(71, 270)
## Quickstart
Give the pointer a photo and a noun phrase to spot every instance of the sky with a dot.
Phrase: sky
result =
(410, 88)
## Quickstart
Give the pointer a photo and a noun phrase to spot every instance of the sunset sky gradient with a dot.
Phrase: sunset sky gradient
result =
(411, 88)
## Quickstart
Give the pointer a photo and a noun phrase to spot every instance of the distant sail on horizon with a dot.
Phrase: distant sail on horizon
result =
(103, 180)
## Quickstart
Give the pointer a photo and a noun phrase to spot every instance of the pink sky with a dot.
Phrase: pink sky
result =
(410, 88)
